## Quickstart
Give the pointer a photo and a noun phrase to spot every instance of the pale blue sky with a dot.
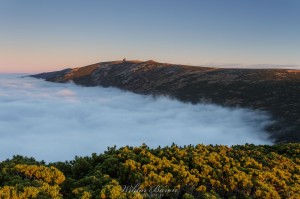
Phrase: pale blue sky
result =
(49, 35)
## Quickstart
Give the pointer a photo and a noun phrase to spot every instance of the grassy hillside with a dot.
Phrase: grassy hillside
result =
(242, 171)
(276, 91)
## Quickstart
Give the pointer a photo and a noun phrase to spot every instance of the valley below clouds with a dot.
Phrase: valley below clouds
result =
(55, 122)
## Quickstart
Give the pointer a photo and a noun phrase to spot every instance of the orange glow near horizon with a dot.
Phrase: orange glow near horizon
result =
(53, 35)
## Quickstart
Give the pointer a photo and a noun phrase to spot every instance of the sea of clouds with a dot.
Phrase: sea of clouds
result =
(55, 122)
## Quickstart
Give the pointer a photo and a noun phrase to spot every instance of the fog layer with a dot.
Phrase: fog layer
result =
(55, 122)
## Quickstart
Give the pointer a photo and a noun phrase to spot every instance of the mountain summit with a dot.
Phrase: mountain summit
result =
(276, 91)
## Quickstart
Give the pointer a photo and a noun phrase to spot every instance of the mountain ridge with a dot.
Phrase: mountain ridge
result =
(276, 91)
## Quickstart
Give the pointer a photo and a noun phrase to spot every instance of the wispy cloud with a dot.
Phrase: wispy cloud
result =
(55, 122)
(254, 66)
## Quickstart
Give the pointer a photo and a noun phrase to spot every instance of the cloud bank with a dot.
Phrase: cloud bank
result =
(55, 122)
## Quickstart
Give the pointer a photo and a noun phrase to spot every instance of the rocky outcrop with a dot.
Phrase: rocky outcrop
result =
(276, 91)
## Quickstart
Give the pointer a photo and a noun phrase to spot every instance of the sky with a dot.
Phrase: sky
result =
(55, 122)
(37, 36)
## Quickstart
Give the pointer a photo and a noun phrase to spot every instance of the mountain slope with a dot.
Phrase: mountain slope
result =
(276, 91)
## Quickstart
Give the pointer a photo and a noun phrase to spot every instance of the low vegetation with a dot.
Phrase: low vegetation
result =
(242, 171)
